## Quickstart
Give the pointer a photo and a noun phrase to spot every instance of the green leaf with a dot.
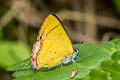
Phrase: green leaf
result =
(20, 66)
(99, 75)
(61, 73)
(12, 53)
(1, 33)
(94, 62)
(113, 68)
(116, 56)
(117, 5)
(117, 44)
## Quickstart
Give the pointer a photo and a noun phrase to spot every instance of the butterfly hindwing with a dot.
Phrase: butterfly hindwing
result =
(53, 54)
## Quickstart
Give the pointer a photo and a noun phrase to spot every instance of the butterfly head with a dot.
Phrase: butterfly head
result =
(39, 38)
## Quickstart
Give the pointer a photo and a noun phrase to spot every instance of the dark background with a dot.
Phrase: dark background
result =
(20, 21)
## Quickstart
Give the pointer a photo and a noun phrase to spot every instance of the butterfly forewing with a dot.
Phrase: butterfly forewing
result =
(52, 29)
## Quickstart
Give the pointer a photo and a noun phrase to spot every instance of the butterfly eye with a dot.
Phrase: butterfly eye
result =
(39, 38)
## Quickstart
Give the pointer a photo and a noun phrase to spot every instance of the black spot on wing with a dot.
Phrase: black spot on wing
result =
(55, 52)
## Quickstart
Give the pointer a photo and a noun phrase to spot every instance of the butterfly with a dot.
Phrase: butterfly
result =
(53, 46)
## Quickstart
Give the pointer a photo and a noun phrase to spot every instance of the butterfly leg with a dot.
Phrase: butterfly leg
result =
(73, 60)
(48, 68)
(60, 64)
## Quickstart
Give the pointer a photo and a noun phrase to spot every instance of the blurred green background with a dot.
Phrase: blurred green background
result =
(20, 22)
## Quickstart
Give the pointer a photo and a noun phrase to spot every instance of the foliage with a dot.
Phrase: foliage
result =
(117, 5)
(12, 53)
(94, 62)
(1, 34)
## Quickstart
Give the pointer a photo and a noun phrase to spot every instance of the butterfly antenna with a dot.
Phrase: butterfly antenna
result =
(73, 60)
(82, 37)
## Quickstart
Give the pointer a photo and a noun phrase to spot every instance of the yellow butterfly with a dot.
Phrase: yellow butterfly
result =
(53, 46)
